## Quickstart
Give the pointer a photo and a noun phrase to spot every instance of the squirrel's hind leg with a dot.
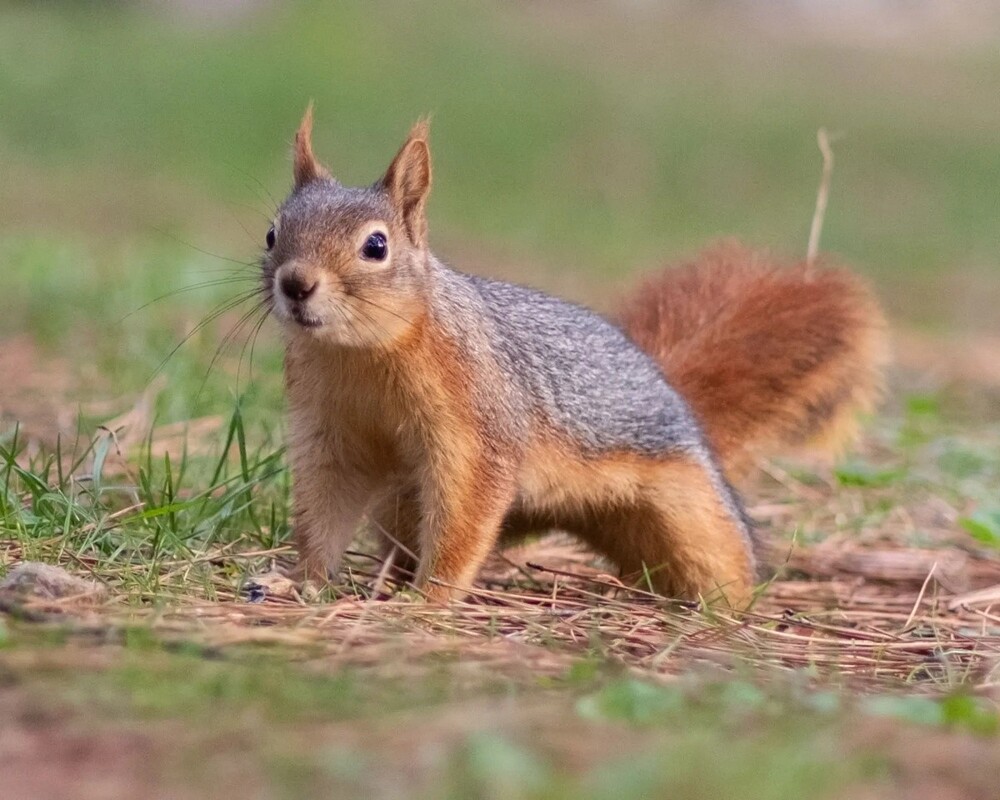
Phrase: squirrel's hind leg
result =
(684, 534)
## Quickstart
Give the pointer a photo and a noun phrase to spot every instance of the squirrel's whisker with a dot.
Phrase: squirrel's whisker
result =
(373, 326)
(253, 337)
(256, 180)
(216, 312)
(230, 336)
(195, 247)
(347, 318)
(242, 269)
(381, 308)
(263, 308)
(191, 288)
(233, 332)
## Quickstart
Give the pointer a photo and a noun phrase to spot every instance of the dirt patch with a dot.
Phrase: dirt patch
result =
(50, 754)
(54, 751)
(36, 391)
(928, 764)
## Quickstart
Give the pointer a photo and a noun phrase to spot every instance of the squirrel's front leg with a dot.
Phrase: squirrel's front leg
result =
(462, 513)
(329, 500)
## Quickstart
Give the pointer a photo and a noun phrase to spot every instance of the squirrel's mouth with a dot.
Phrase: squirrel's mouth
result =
(304, 319)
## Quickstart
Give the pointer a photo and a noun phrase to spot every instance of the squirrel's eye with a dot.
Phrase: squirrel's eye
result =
(270, 237)
(375, 247)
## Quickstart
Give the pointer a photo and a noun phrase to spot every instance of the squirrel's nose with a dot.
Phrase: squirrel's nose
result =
(296, 288)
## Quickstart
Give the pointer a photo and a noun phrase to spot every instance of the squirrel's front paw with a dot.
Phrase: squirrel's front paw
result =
(441, 594)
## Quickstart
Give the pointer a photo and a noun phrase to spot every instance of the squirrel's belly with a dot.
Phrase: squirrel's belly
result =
(554, 475)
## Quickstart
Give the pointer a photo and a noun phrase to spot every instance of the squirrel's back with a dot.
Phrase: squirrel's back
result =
(573, 368)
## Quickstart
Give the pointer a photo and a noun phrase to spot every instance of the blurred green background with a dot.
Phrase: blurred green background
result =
(575, 143)
(143, 148)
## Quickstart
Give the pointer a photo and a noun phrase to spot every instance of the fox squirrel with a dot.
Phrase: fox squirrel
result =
(458, 411)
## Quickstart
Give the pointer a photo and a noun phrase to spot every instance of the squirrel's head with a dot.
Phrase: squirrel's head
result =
(345, 265)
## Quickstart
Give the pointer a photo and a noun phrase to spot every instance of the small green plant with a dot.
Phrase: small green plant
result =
(865, 474)
(958, 710)
(983, 526)
(632, 701)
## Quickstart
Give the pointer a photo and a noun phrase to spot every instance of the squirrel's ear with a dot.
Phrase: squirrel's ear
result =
(408, 182)
(306, 167)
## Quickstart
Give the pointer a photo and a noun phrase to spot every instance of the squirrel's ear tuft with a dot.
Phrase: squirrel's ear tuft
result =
(408, 182)
(306, 167)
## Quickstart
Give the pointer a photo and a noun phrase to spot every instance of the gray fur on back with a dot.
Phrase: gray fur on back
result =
(583, 375)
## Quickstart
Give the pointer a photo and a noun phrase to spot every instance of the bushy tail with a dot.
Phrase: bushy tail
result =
(769, 356)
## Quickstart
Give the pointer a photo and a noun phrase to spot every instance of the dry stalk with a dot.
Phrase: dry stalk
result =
(531, 617)
(821, 197)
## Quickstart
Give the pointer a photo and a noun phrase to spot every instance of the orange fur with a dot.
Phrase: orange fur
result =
(767, 355)
(408, 416)
(659, 519)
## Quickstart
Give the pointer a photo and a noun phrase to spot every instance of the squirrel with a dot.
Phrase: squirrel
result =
(458, 412)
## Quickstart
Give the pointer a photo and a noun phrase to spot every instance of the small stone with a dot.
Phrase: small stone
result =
(49, 582)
